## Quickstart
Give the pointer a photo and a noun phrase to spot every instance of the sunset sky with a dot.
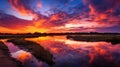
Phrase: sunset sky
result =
(21, 16)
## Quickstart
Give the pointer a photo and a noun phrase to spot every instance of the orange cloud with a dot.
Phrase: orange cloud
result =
(23, 8)
(8, 30)
(39, 23)
(33, 29)
(97, 16)
(19, 8)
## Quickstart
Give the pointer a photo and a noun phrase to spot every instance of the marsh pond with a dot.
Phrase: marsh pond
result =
(61, 51)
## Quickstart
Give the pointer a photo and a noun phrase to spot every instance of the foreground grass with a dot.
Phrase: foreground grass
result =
(114, 39)
(38, 51)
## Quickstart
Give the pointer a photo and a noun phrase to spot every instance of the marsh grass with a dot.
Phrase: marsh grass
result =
(114, 39)
(38, 51)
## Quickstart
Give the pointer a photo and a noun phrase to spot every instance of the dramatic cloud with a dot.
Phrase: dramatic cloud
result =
(10, 21)
(104, 10)
(24, 7)
(67, 15)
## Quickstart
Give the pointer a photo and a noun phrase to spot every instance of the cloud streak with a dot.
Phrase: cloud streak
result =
(60, 14)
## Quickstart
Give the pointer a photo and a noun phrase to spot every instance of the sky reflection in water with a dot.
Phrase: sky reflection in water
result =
(68, 53)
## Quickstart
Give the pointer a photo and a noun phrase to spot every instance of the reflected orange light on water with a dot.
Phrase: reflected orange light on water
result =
(50, 42)
(24, 56)
(80, 44)
(62, 47)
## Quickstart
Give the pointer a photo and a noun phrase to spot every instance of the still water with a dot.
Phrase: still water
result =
(69, 53)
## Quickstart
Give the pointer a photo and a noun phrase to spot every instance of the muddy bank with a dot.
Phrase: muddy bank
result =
(5, 58)
(38, 51)
(114, 39)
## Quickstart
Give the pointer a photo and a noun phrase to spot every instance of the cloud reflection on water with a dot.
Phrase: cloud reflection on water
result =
(69, 53)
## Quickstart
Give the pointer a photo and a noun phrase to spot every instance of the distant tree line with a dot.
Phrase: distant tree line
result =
(66, 33)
